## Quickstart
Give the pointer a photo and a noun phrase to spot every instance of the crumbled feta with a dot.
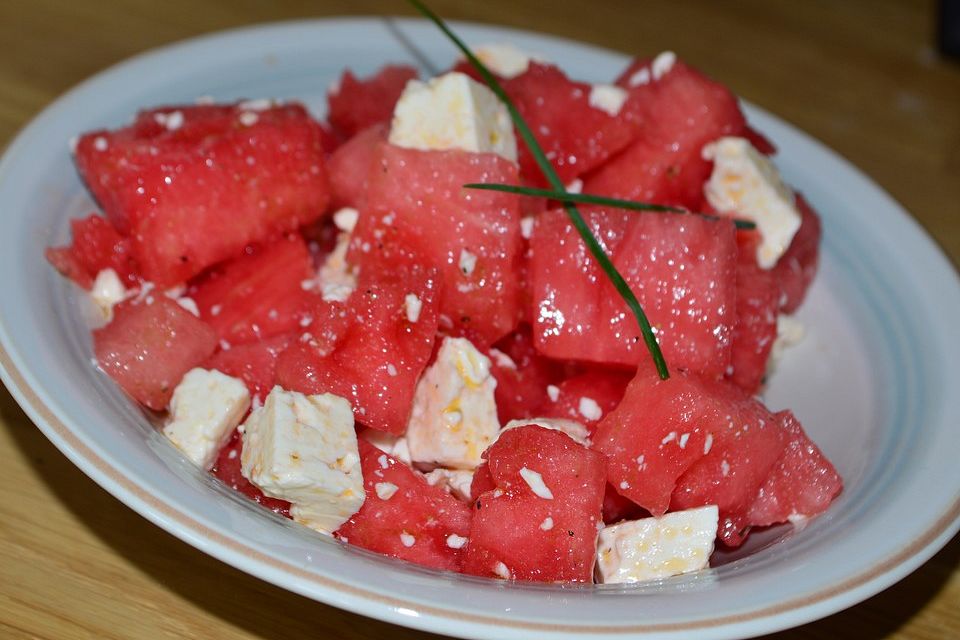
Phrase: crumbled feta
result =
(456, 481)
(503, 360)
(385, 490)
(390, 444)
(547, 524)
(572, 428)
(345, 219)
(526, 226)
(452, 111)
(336, 279)
(575, 186)
(662, 64)
(456, 542)
(258, 104)
(553, 392)
(413, 305)
(790, 332)
(205, 409)
(608, 98)
(454, 417)
(501, 570)
(303, 449)
(506, 60)
(535, 481)
(467, 262)
(107, 291)
(189, 304)
(407, 540)
(248, 118)
(652, 548)
(100, 143)
(746, 183)
(589, 409)
(639, 77)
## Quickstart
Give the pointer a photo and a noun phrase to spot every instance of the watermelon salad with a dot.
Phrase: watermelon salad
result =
(327, 321)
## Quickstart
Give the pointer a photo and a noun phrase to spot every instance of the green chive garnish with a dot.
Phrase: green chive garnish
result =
(588, 198)
(581, 226)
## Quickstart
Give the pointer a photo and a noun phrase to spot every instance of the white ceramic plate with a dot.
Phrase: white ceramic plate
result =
(874, 382)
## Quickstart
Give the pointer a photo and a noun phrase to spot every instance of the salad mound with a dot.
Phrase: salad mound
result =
(334, 326)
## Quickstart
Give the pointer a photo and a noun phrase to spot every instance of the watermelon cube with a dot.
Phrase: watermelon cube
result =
(540, 523)
(586, 397)
(405, 517)
(369, 350)
(523, 376)
(96, 246)
(798, 265)
(211, 180)
(802, 483)
(682, 268)
(758, 302)
(255, 363)
(417, 211)
(257, 294)
(575, 135)
(356, 104)
(663, 428)
(350, 166)
(149, 345)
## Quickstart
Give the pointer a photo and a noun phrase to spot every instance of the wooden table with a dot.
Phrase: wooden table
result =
(862, 76)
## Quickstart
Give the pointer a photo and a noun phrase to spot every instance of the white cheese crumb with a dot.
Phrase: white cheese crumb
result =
(189, 304)
(337, 279)
(452, 111)
(575, 186)
(468, 262)
(454, 416)
(526, 226)
(205, 409)
(456, 542)
(707, 443)
(501, 571)
(607, 98)
(653, 548)
(391, 370)
(456, 481)
(258, 104)
(683, 440)
(746, 183)
(100, 143)
(577, 432)
(390, 444)
(553, 392)
(506, 60)
(303, 449)
(107, 291)
(589, 409)
(407, 540)
(662, 64)
(547, 524)
(413, 305)
(174, 120)
(345, 219)
(669, 437)
(503, 360)
(535, 481)
(639, 77)
(385, 490)
(724, 468)
(248, 118)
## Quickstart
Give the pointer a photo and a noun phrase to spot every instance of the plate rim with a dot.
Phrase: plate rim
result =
(257, 563)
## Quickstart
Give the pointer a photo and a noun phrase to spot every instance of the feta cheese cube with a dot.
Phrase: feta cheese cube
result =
(107, 290)
(746, 183)
(303, 449)
(572, 428)
(205, 409)
(454, 417)
(452, 111)
(337, 279)
(506, 60)
(652, 548)
(456, 481)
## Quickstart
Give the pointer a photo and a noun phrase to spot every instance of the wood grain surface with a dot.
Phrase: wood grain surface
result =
(862, 76)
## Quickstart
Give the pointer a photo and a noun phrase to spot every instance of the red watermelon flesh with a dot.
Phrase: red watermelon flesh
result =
(149, 346)
(575, 136)
(758, 302)
(367, 350)
(579, 397)
(482, 481)
(349, 167)
(802, 482)
(255, 363)
(415, 523)
(418, 210)
(798, 265)
(258, 294)
(533, 538)
(192, 196)
(356, 104)
(682, 268)
(677, 115)
(95, 246)
(663, 428)
(738, 461)
(522, 376)
(227, 469)
(617, 507)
